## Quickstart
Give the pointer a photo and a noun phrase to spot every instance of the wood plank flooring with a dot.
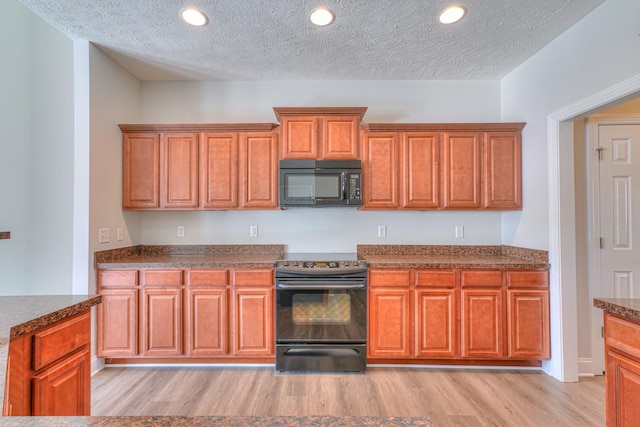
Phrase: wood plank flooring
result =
(450, 397)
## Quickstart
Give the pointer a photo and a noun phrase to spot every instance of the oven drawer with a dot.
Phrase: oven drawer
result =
(321, 358)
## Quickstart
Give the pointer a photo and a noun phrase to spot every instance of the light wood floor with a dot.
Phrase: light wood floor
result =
(450, 397)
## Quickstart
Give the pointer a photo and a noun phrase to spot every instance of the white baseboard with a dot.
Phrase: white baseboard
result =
(585, 367)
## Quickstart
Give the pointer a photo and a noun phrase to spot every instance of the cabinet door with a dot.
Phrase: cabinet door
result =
(340, 137)
(161, 321)
(65, 388)
(380, 171)
(437, 323)
(219, 170)
(118, 323)
(389, 322)
(622, 389)
(528, 324)
(141, 171)
(206, 319)
(482, 323)
(179, 170)
(461, 170)
(502, 175)
(259, 170)
(299, 137)
(253, 323)
(420, 170)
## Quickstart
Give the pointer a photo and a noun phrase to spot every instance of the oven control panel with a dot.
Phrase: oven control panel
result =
(320, 264)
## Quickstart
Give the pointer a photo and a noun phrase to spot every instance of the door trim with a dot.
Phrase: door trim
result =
(593, 239)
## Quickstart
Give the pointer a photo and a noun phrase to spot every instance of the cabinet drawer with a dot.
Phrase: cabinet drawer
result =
(436, 278)
(528, 279)
(262, 277)
(487, 278)
(117, 278)
(389, 278)
(60, 340)
(207, 277)
(161, 277)
(622, 335)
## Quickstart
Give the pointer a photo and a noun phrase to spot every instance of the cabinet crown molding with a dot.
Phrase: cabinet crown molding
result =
(199, 127)
(443, 127)
(320, 111)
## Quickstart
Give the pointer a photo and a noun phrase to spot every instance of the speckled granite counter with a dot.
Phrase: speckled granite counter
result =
(627, 308)
(442, 256)
(20, 315)
(190, 256)
(142, 421)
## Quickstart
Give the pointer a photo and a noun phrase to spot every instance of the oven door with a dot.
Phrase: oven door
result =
(317, 311)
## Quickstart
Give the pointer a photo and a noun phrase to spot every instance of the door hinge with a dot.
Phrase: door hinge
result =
(602, 331)
(599, 150)
(602, 243)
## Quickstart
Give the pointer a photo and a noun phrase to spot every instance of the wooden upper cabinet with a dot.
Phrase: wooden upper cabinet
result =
(141, 171)
(319, 133)
(420, 170)
(179, 173)
(461, 170)
(380, 171)
(259, 170)
(219, 170)
(502, 174)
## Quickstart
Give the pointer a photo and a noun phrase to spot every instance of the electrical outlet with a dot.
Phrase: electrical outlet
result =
(459, 231)
(103, 235)
(253, 231)
(120, 234)
(382, 231)
(181, 231)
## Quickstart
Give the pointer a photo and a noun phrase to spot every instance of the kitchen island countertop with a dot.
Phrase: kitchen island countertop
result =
(20, 315)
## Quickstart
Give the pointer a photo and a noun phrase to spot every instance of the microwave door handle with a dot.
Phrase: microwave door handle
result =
(343, 186)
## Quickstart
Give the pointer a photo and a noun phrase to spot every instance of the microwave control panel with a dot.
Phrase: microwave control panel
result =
(354, 186)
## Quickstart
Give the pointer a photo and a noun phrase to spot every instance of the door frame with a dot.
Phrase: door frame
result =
(562, 253)
(594, 232)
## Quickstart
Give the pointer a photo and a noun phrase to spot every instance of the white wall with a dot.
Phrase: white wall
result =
(115, 99)
(321, 230)
(37, 155)
(15, 146)
(599, 52)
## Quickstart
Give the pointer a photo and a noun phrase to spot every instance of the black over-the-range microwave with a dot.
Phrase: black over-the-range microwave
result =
(320, 183)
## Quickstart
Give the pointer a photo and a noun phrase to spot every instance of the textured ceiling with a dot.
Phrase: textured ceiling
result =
(273, 39)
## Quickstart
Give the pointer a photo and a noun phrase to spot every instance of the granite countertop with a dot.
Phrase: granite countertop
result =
(20, 315)
(627, 308)
(443, 256)
(190, 256)
(248, 421)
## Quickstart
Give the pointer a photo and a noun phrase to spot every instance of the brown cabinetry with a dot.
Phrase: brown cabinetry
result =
(207, 313)
(49, 370)
(458, 314)
(622, 359)
(389, 314)
(319, 133)
(189, 167)
(442, 166)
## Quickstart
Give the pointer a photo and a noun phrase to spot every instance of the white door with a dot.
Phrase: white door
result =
(619, 220)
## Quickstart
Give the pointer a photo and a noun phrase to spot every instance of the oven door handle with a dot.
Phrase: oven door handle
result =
(299, 286)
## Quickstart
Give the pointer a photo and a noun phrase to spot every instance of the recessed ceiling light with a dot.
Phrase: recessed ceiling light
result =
(321, 17)
(193, 16)
(452, 14)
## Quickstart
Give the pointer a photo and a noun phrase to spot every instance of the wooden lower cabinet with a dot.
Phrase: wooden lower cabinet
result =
(389, 322)
(181, 314)
(206, 327)
(622, 370)
(49, 370)
(458, 314)
(482, 323)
